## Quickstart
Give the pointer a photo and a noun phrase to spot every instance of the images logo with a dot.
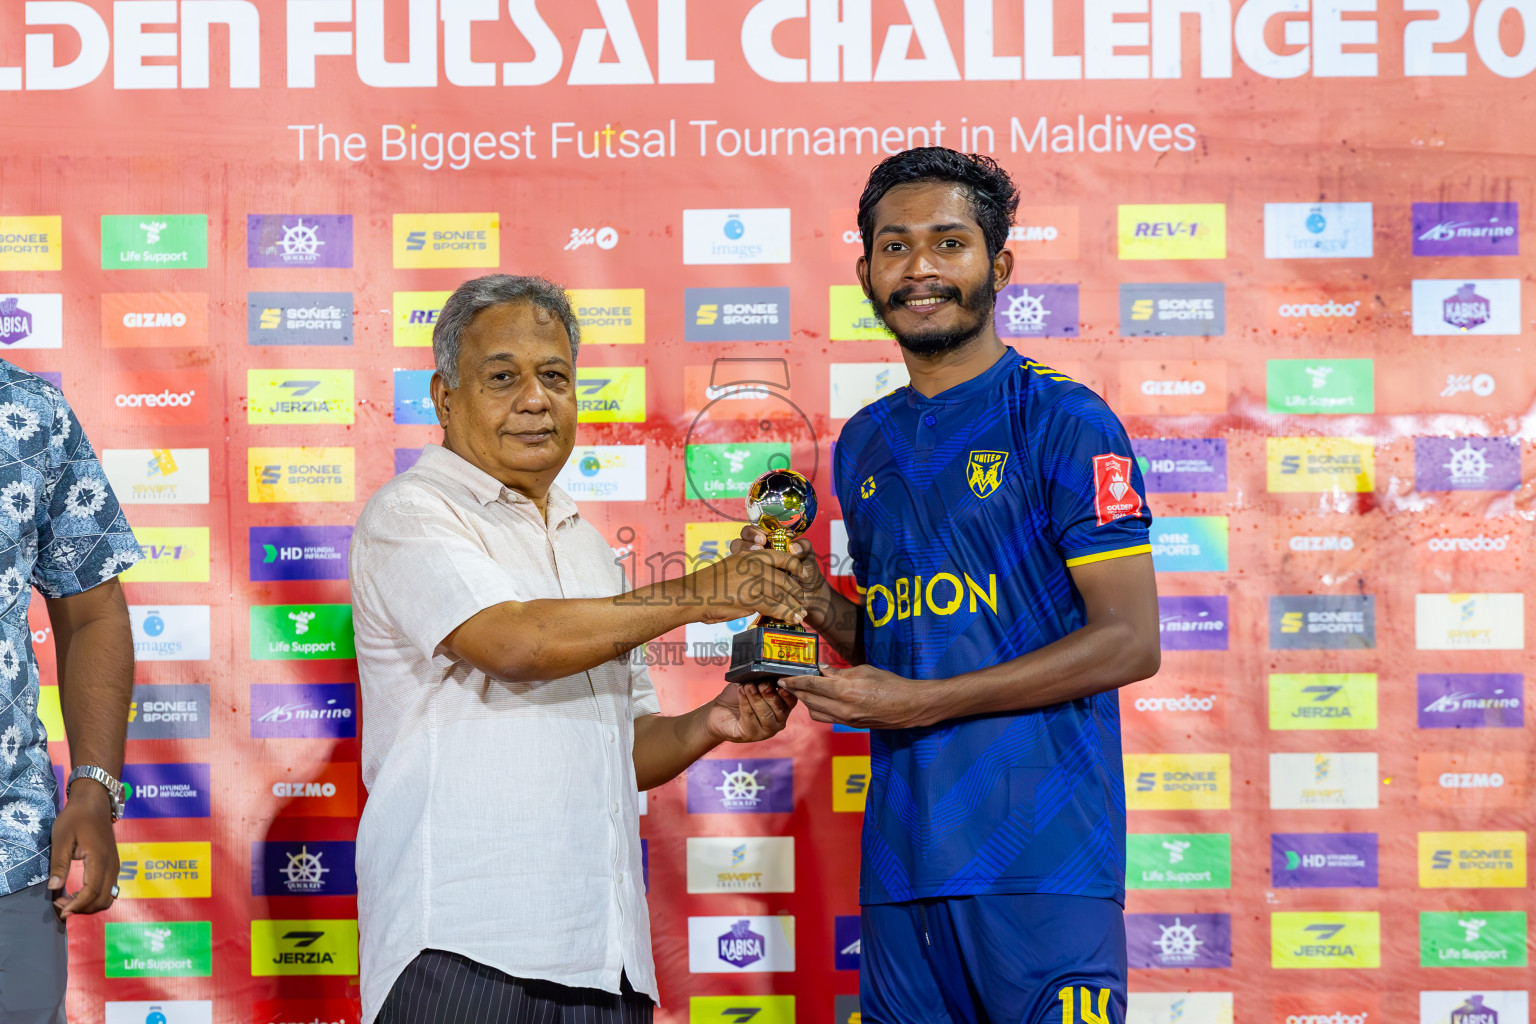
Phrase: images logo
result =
(719, 864)
(309, 868)
(168, 711)
(1172, 387)
(741, 945)
(1311, 465)
(1334, 386)
(413, 398)
(610, 316)
(302, 632)
(1182, 465)
(172, 554)
(850, 783)
(1323, 701)
(1178, 782)
(764, 785)
(736, 236)
(158, 398)
(1307, 781)
(1484, 700)
(1472, 860)
(1037, 311)
(165, 791)
(1473, 779)
(299, 318)
(447, 240)
(1173, 310)
(31, 243)
(1044, 233)
(154, 320)
(299, 396)
(1294, 231)
(1180, 941)
(726, 470)
(736, 314)
(1466, 464)
(154, 242)
(743, 1010)
(1156, 860)
(299, 552)
(303, 947)
(610, 472)
(304, 709)
(1469, 622)
(31, 321)
(175, 632)
(299, 474)
(609, 394)
(1483, 938)
(157, 476)
(1322, 622)
(1323, 860)
(1192, 623)
(1466, 229)
(1188, 231)
(416, 316)
(159, 949)
(855, 385)
(1323, 939)
(1459, 306)
(1190, 544)
(164, 870)
(298, 240)
(851, 317)
(162, 1011)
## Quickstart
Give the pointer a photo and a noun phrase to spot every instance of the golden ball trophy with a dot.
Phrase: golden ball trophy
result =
(781, 503)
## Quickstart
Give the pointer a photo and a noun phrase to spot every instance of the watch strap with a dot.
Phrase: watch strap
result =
(113, 787)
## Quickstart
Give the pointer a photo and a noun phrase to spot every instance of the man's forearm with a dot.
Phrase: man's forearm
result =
(96, 689)
(666, 745)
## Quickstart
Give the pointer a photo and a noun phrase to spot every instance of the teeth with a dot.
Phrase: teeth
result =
(926, 302)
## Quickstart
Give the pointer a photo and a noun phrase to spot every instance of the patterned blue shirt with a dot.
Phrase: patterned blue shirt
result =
(61, 531)
(965, 514)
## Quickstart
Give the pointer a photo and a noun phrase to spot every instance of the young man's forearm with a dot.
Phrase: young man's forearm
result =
(839, 621)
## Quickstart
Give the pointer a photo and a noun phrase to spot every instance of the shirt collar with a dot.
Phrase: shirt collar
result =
(969, 389)
(486, 489)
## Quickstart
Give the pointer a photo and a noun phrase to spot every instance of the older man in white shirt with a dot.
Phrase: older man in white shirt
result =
(506, 726)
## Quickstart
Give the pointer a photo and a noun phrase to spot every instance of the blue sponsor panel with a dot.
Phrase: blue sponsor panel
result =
(413, 398)
(165, 791)
(304, 868)
(847, 942)
(299, 552)
(322, 710)
(298, 318)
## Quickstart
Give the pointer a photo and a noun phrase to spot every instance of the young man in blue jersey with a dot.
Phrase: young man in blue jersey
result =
(999, 536)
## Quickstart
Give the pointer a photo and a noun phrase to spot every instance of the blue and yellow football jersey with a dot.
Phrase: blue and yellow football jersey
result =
(964, 514)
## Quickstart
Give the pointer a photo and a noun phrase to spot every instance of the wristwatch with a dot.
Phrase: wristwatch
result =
(113, 787)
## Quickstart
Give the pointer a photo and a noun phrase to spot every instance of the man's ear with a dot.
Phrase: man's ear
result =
(861, 268)
(440, 398)
(1002, 269)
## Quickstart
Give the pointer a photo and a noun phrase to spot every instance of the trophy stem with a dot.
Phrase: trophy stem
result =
(778, 540)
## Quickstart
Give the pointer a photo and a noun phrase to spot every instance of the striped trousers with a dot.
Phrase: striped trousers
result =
(447, 988)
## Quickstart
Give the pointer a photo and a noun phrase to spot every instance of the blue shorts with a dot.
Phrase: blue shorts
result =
(1003, 959)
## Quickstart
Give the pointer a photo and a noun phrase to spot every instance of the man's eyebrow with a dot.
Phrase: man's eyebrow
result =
(902, 229)
(499, 357)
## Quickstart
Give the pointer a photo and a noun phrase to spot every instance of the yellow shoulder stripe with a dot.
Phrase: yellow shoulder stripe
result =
(1104, 556)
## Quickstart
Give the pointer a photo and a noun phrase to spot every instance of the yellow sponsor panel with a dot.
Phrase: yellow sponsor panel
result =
(1325, 939)
(416, 316)
(447, 240)
(1178, 782)
(300, 474)
(50, 712)
(31, 243)
(850, 783)
(852, 317)
(151, 871)
(1310, 465)
(172, 554)
(710, 541)
(1174, 231)
(610, 316)
(1322, 700)
(304, 947)
(610, 394)
(740, 1009)
(299, 396)
(1472, 860)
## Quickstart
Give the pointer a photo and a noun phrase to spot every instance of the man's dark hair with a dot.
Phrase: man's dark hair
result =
(993, 197)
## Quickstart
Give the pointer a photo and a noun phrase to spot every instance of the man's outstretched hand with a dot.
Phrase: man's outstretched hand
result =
(83, 831)
(749, 712)
(864, 697)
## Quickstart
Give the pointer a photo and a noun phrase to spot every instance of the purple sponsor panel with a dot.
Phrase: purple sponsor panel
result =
(1323, 860)
(327, 710)
(1037, 311)
(741, 785)
(1472, 700)
(1466, 229)
(298, 240)
(1171, 465)
(1178, 940)
(405, 458)
(299, 552)
(1193, 623)
(1466, 463)
(165, 791)
(52, 377)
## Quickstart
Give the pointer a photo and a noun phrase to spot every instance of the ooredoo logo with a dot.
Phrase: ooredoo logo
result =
(159, 397)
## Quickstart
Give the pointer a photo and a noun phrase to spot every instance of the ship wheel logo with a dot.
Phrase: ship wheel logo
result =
(304, 870)
(301, 241)
(740, 788)
(1178, 942)
(1026, 312)
(1468, 465)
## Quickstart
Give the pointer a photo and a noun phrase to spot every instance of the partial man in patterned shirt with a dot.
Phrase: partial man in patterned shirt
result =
(61, 531)
(999, 537)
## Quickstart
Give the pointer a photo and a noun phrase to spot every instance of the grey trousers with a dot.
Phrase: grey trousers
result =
(34, 958)
(447, 988)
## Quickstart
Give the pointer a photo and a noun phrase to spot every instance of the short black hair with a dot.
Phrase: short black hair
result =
(994, 199)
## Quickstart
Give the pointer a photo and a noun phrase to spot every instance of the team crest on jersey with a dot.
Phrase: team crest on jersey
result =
(984, 472)
(1114, 496)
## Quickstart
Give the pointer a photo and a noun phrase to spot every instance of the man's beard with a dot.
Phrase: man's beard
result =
(979, 303)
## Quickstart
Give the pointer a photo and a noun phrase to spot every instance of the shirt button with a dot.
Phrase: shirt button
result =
(620, 877)
(613, 737)
(614, 808)
(930, 420)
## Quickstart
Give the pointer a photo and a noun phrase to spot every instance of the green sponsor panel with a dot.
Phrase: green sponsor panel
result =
(727, 470)
(301, 632)
(154, 242)
(1337, 387)
(1162, 860)
(159, 949)
(1476, 938)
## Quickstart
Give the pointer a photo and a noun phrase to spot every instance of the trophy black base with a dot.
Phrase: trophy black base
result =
(763, 654)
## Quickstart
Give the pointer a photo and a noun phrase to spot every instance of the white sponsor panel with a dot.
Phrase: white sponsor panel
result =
(735, 236)
(171, 632)
(1469, 622)
(645, 802)
(1179, 1008)
(1474, 1006)
(741, 944)
(741, 864)
(31, 321)
(157, 476)
(169, 1011)
(1321, 231)
(607, 472)
(1460, 305)
(1299, 782)
(855, 385)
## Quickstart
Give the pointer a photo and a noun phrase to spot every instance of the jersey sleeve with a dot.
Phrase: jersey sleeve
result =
(1097, 501)
(845, 481)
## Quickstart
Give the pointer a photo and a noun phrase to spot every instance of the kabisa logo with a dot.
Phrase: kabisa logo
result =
(748, 1010)
(604, 238)
(299, 552)
(447, 240)
(164, 870)
(741, 786)
(416, 316)
(1332, 386)
(165, 791)
(1329, 779)
(719, 864)
(855, 385)
(1311, 465)
(1322, 701)
(1192, 624)
(1323, 860)
(1459, 306)
(1171, 782)
(850, 783)
(1322, 622)
(1471, 701)
(157, 476)
(31, 243)
(736, 314)
(714, 471)
(413, 398)
(154, 242)
(1182, 465)
(303, 632)
(1466, 229)
(154, 319)
(308, 868)
(610, 394)
(1189, 544)
(851, 317)
(1156, 860)
(178, 632)
(610, 316)
(300, 474)
(32, 321)
(303, 947)
(159, 949)
(158, 398)
(1178, 940)
(298, 240)
(1483, 938)
(1318, 231)
(847, 942)
(736, 236)
(612, 472)
(1466, 464)
(286, 396)
(1190, 231)
(1476, 1006)
(298, 318)
(1475, 622)
(1037, 311)
(1325, 939)
(303, 709)
(1173, 310)
(168, 711)
(734, 945)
